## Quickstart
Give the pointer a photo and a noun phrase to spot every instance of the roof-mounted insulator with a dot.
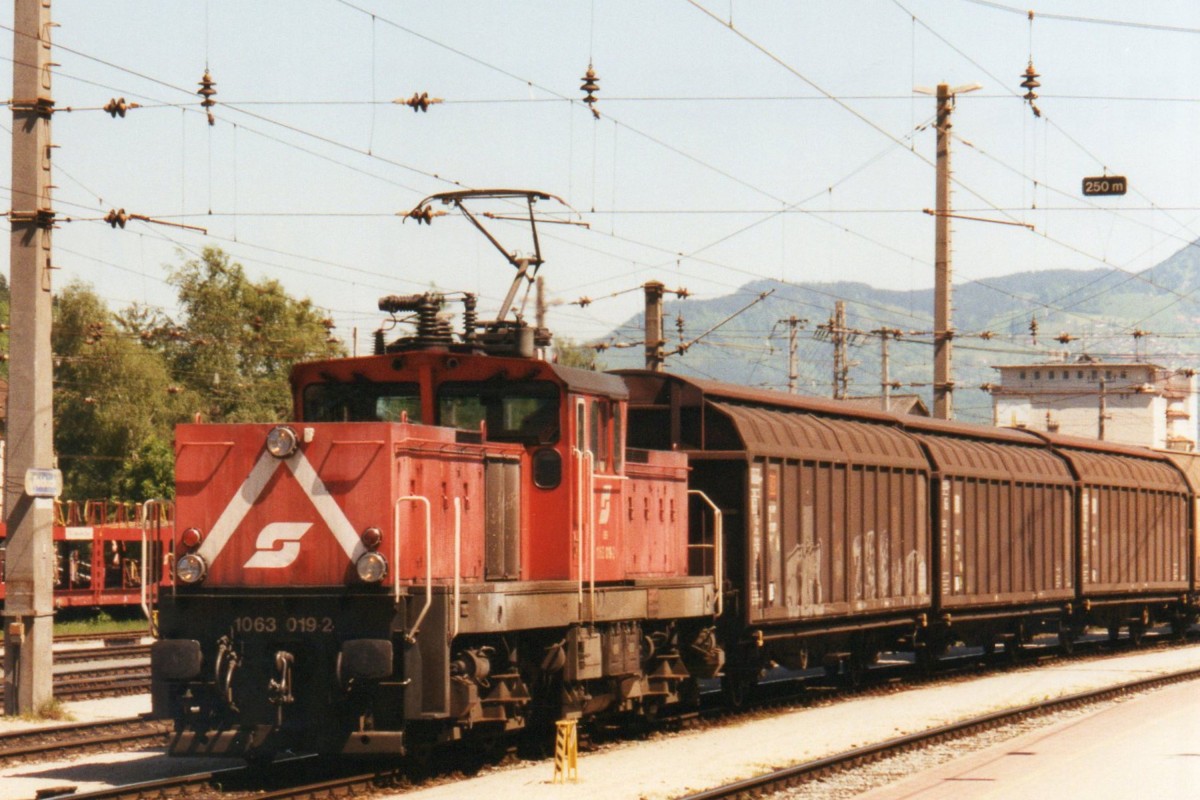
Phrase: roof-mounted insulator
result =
(419, 101)
(116, 217)
(208, 90)
(117, 107)
(591, 85)
(1029, 84)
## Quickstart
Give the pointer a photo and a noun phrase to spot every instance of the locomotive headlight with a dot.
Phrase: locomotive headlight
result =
(282, 441)
(372, 567)
(190, 568)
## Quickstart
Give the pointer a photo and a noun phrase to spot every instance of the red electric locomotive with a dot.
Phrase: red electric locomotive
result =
(449, 539)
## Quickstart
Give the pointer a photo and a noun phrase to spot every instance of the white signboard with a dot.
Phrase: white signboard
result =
(43, 482)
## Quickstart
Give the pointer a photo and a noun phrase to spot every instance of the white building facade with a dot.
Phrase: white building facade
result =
(1126, 402)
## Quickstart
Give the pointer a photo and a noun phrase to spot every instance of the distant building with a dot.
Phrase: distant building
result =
(1126, 402)
(899, 403)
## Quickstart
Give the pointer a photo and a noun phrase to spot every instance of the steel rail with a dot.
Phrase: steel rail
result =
(243, 780)
(759, 785)
(79, 737)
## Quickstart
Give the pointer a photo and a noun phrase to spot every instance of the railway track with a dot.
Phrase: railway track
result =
(83, 737)
(298, 778)
(111, 681)
(111, 653)
(790, 777)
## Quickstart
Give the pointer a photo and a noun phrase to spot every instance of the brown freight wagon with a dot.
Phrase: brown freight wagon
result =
(1004, 520)
(1135, 531)
(825, 509)
(1189, 465)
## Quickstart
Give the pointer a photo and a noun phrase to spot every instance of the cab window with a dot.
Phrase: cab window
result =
(618, 441)
(361, 402)
(520, 411)
(600, 412)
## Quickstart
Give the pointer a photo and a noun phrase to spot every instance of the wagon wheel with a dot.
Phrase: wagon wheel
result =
(260, 758)
(1066, 639)
(1114, 632)
(737, 684)
(927, 656)
(851, 671)
(1179, 627)
(1137, 633)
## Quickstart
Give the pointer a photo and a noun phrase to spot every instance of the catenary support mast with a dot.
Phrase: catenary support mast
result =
(29, 557)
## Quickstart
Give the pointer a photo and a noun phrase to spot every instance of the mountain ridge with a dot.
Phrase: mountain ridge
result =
(1021, 317)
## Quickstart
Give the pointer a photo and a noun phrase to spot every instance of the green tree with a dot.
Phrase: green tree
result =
(113, 398)
(570, 354)
(237, 339)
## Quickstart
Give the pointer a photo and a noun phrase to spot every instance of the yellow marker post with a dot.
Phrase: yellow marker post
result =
(566, 752)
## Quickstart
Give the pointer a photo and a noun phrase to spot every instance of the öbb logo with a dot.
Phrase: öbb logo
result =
(278, 545)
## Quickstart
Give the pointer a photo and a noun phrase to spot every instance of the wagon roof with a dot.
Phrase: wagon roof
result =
(1112, 464)
(643, 382)
(794, 434)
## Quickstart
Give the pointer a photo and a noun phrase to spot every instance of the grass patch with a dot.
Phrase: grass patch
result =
(50, 711)
(99, 622)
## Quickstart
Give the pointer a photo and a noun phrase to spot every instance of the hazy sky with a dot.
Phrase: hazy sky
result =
(737, 140)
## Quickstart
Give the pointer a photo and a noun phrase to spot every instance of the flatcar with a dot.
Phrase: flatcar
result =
(455, 538)
(107, 555)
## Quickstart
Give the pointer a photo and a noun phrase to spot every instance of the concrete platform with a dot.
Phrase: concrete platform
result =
(1148, 746)
(672, 766)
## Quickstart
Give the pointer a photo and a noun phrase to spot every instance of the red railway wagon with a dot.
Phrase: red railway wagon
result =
(100, 554)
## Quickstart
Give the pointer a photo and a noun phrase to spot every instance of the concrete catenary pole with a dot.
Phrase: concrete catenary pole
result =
(654, 326)
(841, 362)
(29, 557)
(794, 324)
(885, 380)
(1103, 410)
(943, 328)
(943, 388)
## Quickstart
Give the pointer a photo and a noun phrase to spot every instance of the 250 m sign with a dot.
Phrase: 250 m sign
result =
(1105, 185)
